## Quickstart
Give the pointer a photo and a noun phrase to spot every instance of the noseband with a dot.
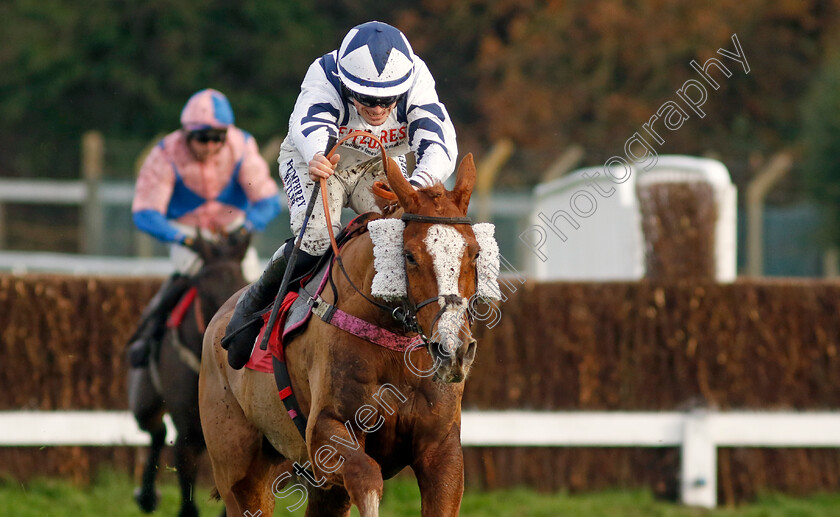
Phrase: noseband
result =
(407, 314)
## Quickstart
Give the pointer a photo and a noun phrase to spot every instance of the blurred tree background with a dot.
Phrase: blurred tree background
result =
(821, 143)
(546, 74)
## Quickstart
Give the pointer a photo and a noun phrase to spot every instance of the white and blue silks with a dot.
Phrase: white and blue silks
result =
(418, 123)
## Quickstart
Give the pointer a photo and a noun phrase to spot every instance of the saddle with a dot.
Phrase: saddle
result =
(296, 307)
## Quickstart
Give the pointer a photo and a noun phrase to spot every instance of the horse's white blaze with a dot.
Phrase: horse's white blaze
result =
(450, 325)
(446, 247)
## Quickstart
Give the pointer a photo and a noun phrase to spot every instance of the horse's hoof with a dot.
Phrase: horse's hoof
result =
(146, 500)
(188, 510)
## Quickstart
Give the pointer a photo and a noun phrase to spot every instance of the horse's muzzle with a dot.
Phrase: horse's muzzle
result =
(453, 367)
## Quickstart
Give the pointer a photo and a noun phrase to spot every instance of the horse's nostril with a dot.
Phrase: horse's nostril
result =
(442, 351)
(467, 352)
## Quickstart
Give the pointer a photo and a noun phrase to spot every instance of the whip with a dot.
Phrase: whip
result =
(320, 187)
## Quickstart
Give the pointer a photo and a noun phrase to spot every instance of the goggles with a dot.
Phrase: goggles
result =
(370, 101)
(208, 135)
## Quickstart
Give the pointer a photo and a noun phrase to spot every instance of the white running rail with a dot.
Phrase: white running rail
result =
(697, 433)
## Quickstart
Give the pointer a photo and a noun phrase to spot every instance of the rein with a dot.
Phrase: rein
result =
(323, 181)
(378, 188)
(281, 372)
(192, 298)
(406, 314)
(410, 308)
(206, 271)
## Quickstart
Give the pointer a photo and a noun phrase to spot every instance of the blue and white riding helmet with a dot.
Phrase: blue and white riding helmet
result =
(375, 59)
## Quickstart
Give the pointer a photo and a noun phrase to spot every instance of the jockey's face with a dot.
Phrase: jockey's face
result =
(375, 116)
(205, 143)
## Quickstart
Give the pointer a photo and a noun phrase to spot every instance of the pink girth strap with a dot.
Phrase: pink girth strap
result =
(363, 329)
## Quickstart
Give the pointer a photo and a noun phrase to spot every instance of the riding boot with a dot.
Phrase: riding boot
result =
(244, 326)
(151, 327)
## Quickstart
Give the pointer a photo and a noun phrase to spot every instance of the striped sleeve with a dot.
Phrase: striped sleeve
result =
(317, 109)
(431, 134)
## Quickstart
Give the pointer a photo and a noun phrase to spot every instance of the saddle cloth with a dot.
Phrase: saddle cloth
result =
(292, 318)
(295, 309)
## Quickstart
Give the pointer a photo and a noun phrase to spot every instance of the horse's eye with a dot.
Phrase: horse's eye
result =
(409, 258)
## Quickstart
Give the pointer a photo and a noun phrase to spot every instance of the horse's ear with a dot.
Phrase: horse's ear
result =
(402, 188)
(464, 183)
(242, 243)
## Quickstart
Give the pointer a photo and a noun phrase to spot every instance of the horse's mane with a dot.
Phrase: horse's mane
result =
(435, 195)
(435, 191)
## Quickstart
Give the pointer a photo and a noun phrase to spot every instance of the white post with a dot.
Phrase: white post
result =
(698, 478)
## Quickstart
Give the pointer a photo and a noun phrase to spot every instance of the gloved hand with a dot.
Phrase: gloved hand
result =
(192, 244)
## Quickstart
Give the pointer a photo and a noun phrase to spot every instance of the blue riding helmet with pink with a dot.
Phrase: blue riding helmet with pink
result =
(207, 109)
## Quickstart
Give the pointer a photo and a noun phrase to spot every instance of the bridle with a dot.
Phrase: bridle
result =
(406, 313)
(193, 297)
(410, 309)
(209, 271)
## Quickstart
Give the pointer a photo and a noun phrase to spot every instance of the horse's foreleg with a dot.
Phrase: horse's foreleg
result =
(145, 494)
(339, 457)
(332, 502)
(147, 407)
(188, 448)
(439, 468)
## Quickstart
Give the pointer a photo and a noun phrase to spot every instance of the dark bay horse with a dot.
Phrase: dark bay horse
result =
(170, 383)
(371, 411)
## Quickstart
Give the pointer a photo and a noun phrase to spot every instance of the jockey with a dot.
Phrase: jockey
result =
(374, 82)
(209, 174)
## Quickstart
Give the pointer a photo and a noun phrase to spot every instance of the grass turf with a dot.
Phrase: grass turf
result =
(111, 495)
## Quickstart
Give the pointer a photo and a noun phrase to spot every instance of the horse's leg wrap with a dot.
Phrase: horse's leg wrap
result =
(153, 318)
(244, 325)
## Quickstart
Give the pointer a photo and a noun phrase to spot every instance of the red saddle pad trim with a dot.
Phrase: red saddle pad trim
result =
(261, 359)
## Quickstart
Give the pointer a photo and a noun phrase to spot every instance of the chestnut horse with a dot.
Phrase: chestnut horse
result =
(371, 411)
(170, 383)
